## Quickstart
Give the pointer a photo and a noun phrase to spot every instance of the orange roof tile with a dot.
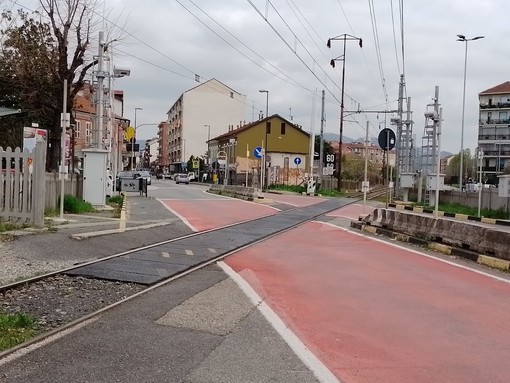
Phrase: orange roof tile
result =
(498, 89)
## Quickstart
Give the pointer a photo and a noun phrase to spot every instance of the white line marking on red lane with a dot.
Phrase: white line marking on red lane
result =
(417, 252)
(184, 220)
(320, 371)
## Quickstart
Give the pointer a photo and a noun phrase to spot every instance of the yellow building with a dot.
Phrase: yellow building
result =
(237, 156)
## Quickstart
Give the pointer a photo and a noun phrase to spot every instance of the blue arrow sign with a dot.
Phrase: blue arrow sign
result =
(257, 152)
(297, 161)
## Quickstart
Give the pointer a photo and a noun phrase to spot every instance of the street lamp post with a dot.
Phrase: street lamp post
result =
(264, 183)
(343, 37)
(463, 39)
(480, 185)
(133, 142)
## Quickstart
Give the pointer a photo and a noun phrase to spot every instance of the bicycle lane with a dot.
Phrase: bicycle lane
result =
(206, 214)
(376, 312)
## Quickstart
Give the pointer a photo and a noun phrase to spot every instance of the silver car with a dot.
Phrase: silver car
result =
(181, 178)
(147, 175)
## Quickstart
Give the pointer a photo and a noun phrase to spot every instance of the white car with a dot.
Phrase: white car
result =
(181, 178)
(147, 175)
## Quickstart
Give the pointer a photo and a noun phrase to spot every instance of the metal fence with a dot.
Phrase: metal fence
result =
(22, 185)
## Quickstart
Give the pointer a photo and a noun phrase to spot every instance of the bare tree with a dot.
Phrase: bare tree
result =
(42, 52)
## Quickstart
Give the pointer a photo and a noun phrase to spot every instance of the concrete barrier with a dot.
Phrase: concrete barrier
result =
(462, 234)
(235, 191)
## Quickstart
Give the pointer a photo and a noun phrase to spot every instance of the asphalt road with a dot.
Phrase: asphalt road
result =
(324, 303)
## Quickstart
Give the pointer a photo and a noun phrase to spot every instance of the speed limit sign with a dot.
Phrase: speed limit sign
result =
(330, 158)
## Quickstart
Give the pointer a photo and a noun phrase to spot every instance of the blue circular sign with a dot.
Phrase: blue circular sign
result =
(297, 160)
(257, 152)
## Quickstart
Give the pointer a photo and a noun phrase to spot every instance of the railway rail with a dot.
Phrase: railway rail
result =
(87, 290)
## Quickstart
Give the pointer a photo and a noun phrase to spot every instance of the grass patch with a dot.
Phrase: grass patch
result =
(303, 189)
(15, 329)
(290, 188)
(9, 226)
(472, 211)
(116, 202)
(75, 205)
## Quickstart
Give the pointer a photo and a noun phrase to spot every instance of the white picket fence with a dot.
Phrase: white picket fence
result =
(22, 185)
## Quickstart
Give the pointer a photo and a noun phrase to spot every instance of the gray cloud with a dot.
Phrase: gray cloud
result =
(432, 57)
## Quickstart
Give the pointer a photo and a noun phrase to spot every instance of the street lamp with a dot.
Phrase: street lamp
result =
(263, 172)
(133, 142)
(463, 39)
(343, 37)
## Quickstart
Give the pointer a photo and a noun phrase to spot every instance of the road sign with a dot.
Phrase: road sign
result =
(257, 152)
(330, 158)
(386, 139)
(297, 161)
(195, 164)
(222, 158)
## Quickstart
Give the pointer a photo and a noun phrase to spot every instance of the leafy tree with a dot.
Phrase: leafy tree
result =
(35, 61)
(468, 166)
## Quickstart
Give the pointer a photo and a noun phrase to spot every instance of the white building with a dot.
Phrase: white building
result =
(200, 113)
(494, 129)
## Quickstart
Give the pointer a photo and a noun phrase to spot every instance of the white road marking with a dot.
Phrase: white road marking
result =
(417, 252)
(322, 373)
(212, 250)
(165, 254)
(189, 252)
(184, 220)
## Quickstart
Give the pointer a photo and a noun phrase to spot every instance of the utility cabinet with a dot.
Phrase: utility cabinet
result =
(94, 176)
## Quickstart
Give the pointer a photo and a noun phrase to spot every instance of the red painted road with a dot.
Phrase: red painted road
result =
(206, 214)
(352, 211)
(373, 312)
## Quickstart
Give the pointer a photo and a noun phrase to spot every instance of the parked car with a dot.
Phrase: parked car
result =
(159, 176)
(147, 175)
(191, 176)
(124, 174)
(181, 178)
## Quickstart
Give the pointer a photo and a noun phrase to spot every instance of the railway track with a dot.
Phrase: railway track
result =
(71, 296)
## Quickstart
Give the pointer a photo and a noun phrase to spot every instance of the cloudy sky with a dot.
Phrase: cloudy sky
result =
(280, 45)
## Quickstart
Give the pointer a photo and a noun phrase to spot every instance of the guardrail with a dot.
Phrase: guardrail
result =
(242, 192)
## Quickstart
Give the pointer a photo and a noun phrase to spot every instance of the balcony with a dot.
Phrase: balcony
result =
(495, 106)
(492, 121)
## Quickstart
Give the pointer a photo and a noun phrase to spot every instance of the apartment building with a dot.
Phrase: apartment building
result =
(200, 113)
(494, 129)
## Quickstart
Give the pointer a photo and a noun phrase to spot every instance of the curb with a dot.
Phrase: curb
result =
(486, 260)
(464, 217)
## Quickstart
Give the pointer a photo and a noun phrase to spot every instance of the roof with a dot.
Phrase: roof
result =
(250, 125)
(210, 81)
(8, 111)
(498, 89)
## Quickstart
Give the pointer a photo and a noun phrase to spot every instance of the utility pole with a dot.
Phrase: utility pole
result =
(399, 142)
(100, 91)
(365, 182)
(321, 148)
(343, 37)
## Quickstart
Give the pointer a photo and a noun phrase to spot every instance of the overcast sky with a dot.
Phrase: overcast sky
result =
(166, 42)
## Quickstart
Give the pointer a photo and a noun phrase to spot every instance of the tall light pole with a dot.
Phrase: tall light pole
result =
(263, 186)
(343, 37)
(208, 151)
(133, 142)
(463, 39)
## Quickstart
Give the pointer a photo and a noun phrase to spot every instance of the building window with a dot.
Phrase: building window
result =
(282, 128)
(88, 131)
(231, 94)
(77, 129)
(268, 127)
